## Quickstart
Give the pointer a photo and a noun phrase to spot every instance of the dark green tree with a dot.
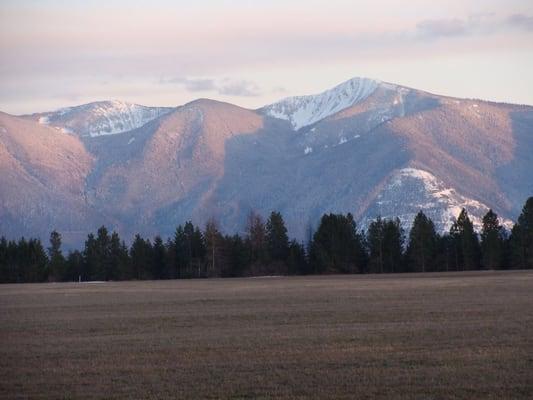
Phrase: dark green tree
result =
(375, 239)
(141, 258)
(159, 259)
(256, 237)
(91, 259)
(337, 246)
(236, 257)
(181, 253)
(445, 253)
(394, 241)
(75, 266)
(276, 238)
(57, 264)
(422, 247)
(466, 251)
(213, 244)
(119, 262)
(385, 239)
(521, 240)
(4, 269)
(296, 260)
(492, 242)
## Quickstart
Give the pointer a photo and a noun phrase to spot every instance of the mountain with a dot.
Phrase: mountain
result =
(302, 111)
(101, 118)
(42, 181)
(367, 147)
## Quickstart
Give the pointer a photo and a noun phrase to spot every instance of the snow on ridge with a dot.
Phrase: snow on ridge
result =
(411, 190)
(103, 118)
(302, 111)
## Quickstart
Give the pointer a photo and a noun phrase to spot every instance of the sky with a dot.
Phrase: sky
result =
(56, 53)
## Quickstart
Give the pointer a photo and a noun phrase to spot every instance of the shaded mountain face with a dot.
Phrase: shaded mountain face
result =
(365, 147)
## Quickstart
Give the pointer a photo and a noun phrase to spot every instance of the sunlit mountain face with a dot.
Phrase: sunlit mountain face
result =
(366, 147)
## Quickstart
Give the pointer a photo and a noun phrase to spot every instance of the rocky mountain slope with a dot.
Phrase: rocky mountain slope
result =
(367, 147)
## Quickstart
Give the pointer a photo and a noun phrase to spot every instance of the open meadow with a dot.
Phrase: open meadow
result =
(413, 336)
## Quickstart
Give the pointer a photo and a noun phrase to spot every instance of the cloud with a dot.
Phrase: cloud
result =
(474, 24)
(239, 88)
(520, 21)
(226, 86)
(442, 27)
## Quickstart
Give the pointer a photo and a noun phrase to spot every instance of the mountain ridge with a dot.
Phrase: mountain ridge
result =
(214, 159)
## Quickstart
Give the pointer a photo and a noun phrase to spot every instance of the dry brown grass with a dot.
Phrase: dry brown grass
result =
(419, 336)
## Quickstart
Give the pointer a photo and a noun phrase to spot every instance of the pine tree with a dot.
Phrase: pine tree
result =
(422, 247)
(141, 258)
(119, 259)
(467, 252)
(198, 252)
(104, 268)
(159, 259)
(180, 249)
(4, 270)
(296, 260)
(521, 240)
(57, 265)
(237, 256)
(91, 259)
(35, 261)
(75, 265)
(394, 241)
(213, 243)
(256, 237)
(376, 245)
(336, 245)
(492, 242)
(276, 238)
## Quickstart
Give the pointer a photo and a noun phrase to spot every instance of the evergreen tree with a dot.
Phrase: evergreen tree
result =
(276, 238)
(75, 266)
(91, 259)
(422, 247)
(256, 237)
(213, 243)
(467, 252)
(376, 245)
(159, 259)
(57, 265)
(199, 251)
(394, 241)
(296, 260)
(141, 258)
(445, 253)
(237, 256)
(4, 270)
(33, 261)
(181, 252)
(521, 240)
(492, 242)
(336, 245)
(170, 262)
(385, 239)
(119, 259)
(104, 268)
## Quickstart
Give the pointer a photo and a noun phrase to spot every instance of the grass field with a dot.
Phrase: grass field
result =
(416, 336)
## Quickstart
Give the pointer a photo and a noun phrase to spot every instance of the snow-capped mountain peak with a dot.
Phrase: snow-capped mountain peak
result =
(102, 117)
(302, 111)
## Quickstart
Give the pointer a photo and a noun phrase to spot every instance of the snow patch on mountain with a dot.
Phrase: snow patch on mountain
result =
(411, 190)
(102, 118)
(302, 111)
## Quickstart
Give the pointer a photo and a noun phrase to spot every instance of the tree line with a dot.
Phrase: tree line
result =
(337, 246)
